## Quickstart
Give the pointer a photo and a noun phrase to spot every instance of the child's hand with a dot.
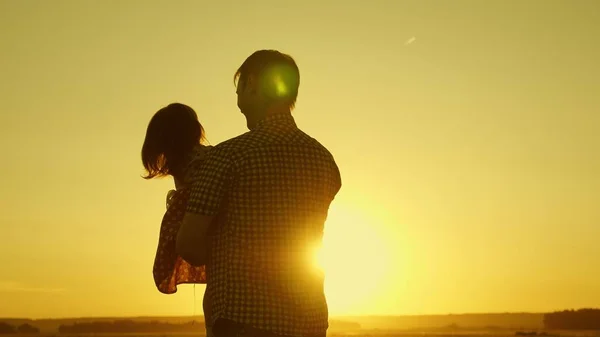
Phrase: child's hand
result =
(170, 195)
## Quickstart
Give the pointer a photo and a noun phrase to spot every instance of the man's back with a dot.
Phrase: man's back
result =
(275, 186)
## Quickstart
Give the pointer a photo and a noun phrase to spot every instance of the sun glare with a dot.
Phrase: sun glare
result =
(355, 259)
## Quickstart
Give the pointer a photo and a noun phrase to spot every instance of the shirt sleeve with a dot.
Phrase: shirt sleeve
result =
(210, 183)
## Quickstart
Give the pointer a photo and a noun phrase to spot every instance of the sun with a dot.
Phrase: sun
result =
(355, 259)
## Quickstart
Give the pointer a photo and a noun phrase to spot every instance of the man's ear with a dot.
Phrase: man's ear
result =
(251, 84)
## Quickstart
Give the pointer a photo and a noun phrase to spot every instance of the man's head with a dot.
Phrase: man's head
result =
(267, 82)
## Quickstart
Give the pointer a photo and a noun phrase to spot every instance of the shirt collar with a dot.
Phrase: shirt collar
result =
(277, 119)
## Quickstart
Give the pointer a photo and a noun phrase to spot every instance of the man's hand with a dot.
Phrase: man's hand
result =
(192, 239)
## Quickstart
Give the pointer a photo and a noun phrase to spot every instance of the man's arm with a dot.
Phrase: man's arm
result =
(192, 239)
(208, 190)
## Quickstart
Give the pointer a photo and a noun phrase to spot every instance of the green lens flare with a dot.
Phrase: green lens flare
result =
(280, 87)
(279, 81)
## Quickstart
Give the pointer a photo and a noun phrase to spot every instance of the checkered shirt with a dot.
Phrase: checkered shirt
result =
(270, 190)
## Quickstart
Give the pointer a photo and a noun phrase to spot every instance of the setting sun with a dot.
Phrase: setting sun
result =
(355, 258)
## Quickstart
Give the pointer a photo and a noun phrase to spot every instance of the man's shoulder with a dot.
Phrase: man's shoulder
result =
(316, 145)
(230, 147)
(229, 144)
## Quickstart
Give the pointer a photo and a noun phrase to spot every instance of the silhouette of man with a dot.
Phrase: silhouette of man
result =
(256, 213)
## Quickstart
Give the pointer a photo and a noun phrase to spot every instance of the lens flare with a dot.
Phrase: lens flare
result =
(279, 81)
(280, 87)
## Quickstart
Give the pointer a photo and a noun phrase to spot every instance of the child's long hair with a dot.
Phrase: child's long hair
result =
(172, 134)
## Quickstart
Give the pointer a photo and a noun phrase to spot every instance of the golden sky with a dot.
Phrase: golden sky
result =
(467, 134)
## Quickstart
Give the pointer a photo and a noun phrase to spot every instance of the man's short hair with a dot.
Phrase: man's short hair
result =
(277, 74)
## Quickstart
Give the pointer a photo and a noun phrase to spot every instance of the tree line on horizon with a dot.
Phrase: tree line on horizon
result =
(26, 329)
(129, 326)
(582, 319)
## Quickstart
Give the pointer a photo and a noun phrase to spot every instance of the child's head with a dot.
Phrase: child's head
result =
(172, 134)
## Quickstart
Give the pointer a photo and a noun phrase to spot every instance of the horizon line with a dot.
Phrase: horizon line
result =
(330, 316)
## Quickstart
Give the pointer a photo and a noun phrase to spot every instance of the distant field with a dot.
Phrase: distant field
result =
(496, 323)
(452, 325)
(157, 334)
(367, 333)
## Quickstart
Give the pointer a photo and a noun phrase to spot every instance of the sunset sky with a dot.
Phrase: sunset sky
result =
(467, 134)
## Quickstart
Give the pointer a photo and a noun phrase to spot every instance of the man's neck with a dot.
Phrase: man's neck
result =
(272, 110)
(277, 110)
